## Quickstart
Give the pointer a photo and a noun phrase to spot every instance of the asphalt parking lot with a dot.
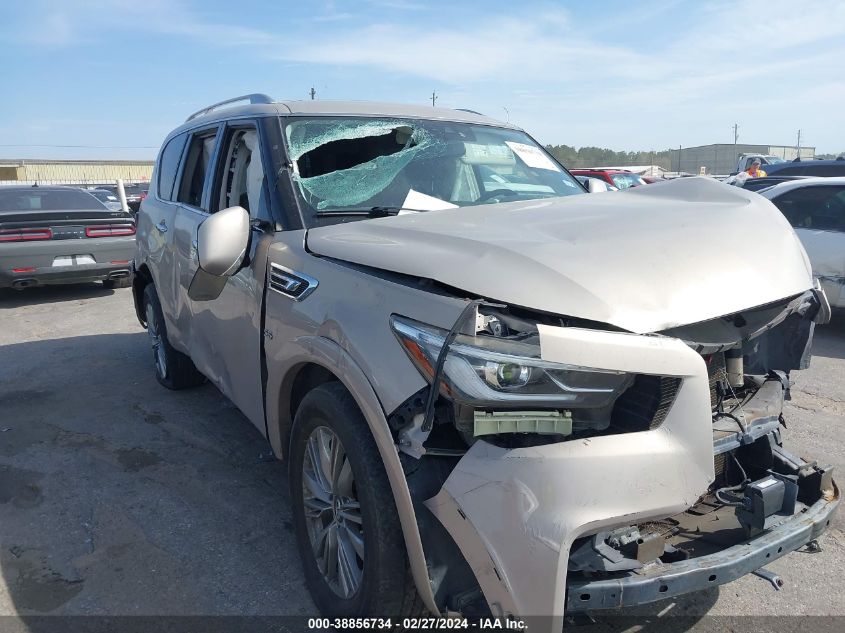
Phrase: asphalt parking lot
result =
(118, 497)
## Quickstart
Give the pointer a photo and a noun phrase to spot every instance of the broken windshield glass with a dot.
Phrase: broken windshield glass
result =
(340, 163)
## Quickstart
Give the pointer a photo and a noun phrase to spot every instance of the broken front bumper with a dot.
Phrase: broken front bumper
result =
(515, 514)
(660, 581)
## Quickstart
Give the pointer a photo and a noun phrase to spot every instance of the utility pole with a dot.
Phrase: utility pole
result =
(799, 145)
(736, 138)
(433, 97)
(313, 93)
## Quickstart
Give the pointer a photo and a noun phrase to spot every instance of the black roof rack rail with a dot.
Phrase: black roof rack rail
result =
(468, 110)
(254, 98)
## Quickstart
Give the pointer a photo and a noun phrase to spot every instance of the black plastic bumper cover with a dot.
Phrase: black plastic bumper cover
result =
(667, 580)
(66, 274)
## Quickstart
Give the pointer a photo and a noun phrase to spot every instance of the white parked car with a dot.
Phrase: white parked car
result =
(815, 207)
(594, 185)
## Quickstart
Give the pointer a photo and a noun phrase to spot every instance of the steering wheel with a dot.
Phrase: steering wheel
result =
(495, 193)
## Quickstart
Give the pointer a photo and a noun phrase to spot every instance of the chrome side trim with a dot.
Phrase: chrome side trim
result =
(290, 283)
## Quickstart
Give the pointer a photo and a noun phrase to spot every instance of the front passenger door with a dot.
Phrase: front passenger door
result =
(226, 332)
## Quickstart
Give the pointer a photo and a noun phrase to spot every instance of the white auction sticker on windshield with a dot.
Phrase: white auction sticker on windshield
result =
(532, 156)
(416, 201)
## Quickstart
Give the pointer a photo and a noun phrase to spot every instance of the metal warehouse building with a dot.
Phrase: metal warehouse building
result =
(73, 172)
(720, 158)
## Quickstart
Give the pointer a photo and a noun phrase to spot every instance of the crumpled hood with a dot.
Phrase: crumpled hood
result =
(644, 260)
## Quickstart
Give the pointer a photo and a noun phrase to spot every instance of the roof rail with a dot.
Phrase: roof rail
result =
(254, 98)
(468, 110)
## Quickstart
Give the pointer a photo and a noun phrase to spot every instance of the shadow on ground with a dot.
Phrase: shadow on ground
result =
(50, 294)
(118, 497)
(829, 339)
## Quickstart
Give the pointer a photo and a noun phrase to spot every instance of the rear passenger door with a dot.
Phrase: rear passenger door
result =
(191, 194)
(818, 215)
(154, 221)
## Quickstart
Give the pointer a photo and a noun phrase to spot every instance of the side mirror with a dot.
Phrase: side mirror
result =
(594, 185)
(222, 240)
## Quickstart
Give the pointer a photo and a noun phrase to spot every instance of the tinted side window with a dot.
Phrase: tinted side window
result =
(168, 165)
(196, 166)
(821, 208)
(791, 171)
(826, 171)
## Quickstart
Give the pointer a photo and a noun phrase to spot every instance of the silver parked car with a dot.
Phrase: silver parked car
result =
(61, 235)
(495, 392)
(815, 207)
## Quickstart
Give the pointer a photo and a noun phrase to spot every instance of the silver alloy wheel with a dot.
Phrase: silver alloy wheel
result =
(333, 512)
(155, 340)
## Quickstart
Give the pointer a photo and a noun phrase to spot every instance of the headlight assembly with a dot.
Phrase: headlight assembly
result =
(489, 372)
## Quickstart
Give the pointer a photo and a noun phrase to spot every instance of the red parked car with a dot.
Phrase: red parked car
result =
(619, 178)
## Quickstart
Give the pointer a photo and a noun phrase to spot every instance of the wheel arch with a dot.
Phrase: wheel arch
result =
(315, 360)
(140, 280)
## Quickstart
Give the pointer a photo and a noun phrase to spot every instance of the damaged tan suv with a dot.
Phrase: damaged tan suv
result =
(497, 394)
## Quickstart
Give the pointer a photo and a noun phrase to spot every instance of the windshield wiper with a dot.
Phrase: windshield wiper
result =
(371, 212)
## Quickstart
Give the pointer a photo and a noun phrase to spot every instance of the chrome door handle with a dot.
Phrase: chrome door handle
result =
(162, 227)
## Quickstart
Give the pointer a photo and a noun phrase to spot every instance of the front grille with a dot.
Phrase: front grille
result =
(716, 373)
(645, 404)
(720, 464)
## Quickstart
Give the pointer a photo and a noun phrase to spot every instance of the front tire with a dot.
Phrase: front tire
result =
(173, 369)
(347, 527)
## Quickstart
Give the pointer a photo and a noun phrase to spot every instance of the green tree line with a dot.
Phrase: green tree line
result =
(602, 157)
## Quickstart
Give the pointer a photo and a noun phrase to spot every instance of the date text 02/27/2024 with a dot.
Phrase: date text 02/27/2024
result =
(416, 624)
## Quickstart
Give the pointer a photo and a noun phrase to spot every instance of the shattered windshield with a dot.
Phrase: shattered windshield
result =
(340, 164)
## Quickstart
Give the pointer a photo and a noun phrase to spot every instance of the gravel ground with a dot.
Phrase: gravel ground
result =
(118, 497)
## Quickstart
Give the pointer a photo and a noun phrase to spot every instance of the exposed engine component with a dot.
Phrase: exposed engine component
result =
(774, 486)
(733, 367)
(766, 498)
